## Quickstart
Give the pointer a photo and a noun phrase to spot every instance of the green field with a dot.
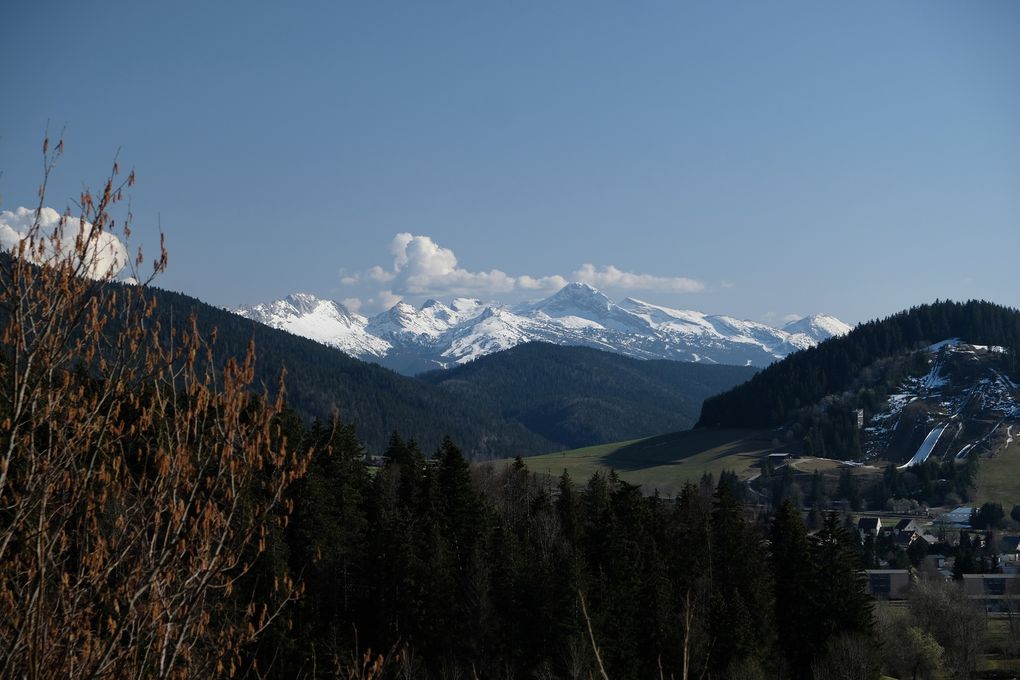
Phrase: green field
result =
(999, 475)
(664, 462)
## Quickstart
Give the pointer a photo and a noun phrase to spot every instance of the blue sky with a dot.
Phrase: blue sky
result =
(755, 159)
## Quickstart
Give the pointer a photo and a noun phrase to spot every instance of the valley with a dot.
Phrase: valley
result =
(510, 341)
(943, 404)
(664, 463)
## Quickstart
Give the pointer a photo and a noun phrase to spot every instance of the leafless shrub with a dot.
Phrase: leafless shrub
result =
(847, 657)
(137, 483)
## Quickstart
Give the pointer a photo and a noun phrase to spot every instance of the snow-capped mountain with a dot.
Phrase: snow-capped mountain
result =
(817, 328)
(412, 339)
(325, 321)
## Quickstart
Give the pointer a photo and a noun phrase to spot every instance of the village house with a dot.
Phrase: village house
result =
(993, 592)
(906, 525)
(937, 567)
(1009, 549)
(869, 525)
(888, 584)
(957, 518)
(903, 539)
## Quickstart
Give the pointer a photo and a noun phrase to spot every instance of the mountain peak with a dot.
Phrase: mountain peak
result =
(410, 338)
(818, 327)
(304, 303)
(400, 308)
(575, 297)
(579, 289)
(581, 286)
(325, 321)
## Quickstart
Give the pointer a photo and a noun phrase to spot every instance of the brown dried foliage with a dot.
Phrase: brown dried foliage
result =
(136, 481)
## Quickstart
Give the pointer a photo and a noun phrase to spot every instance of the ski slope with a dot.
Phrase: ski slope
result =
(927, 446)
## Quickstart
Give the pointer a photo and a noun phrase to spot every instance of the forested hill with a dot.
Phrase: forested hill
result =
(774, 395)
(376, 400)
(577, 396)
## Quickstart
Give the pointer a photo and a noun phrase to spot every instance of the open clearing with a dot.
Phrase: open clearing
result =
(664, 462)
(999, 475)
(815, 465)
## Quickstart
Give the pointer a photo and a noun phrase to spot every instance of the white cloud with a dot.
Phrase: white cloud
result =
(553, 282)
(384, 299)
(109, 255)
(379, 274)
(777, 319)
(422, 267)
(611, 277)
(352, 303)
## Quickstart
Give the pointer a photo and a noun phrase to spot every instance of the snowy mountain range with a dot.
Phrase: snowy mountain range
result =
(412, 339)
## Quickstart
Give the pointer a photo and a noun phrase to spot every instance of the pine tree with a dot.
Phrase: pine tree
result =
(327, 538)
(843, 605)
(742, 626)
(462, 523)
(793, 573)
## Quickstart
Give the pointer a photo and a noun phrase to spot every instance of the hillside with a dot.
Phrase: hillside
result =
(533, 398)
(377, 400)
(666, 462)
(929, 396)
(936, 387)
(778, 393)
(576, 396)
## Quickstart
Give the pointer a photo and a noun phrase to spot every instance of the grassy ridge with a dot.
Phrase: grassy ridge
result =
(664, 462)
(999, 475)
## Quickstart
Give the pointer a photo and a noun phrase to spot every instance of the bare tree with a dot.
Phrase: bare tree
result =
(943, 611)
(906, 649)
(137, 482)
(847, 657)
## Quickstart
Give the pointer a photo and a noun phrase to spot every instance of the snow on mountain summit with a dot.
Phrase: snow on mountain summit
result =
(573, 298)
(818, 327)
(436, 334)
(324, 321)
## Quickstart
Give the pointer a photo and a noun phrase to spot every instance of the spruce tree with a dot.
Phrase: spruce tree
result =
(843, 605)
(742, 626)
(461, 528)
(793, 573)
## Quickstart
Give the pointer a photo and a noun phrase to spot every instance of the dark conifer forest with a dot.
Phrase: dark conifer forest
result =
(292, 555)
(577, 396)
(533, 399)
(496, 571)
(776, 395)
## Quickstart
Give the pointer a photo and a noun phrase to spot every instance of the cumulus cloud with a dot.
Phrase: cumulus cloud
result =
(385, 299)
(109, 255)
(553, 282)
(422, 267)
(611, 277)
(352, 303)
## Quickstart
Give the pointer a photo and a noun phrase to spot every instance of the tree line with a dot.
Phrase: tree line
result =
(451, 569)
(579, 396)
(777, 395)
